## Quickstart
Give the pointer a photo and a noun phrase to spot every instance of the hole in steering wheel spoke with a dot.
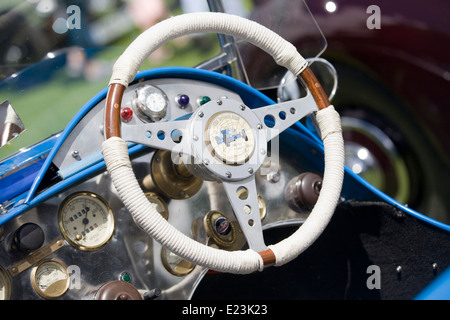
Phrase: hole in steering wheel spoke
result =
(251, 222)
(176, 136)
(269, 121)
(242, 193)
(161, 135)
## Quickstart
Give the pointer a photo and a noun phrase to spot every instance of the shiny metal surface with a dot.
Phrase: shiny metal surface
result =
(130, 251)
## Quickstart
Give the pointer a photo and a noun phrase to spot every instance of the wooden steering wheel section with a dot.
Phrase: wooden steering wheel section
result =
(112, 112)
(112, 122)
(314, 86)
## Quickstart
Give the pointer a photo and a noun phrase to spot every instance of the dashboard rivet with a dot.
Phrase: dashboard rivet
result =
(228, 174)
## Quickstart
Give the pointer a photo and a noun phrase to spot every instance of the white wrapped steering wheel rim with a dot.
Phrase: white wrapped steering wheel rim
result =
(115, 149)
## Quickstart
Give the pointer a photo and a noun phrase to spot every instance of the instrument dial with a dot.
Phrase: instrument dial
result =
(50, 279)
(86, 221)
(230, 138)
(5, 285)
(150, 103)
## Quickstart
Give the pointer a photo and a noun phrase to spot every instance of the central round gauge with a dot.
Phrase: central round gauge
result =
(230, 138)
(86, 221)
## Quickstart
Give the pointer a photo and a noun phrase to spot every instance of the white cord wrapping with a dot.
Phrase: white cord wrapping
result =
(115, 150)
(330, 127)
(283, 52)
(115, 153)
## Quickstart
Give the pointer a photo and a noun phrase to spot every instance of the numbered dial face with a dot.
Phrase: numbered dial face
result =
(5, 285)
(230, 138)
(86, 221)
(50, 279)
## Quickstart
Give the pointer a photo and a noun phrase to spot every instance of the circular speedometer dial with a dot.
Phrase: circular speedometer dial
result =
(86, 221)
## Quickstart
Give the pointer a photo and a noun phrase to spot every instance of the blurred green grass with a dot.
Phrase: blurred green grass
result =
(47, 108)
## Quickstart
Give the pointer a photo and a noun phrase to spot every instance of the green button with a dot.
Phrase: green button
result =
(204, 100)
(125, 276)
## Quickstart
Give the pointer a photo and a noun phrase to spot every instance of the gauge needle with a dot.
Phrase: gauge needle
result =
(85, 220)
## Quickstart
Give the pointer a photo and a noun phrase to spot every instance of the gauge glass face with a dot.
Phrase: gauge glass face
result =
(86, 221)
(5, 285)
(151, 102)
(175, 264)
(230, 138)
(156, 101)
(50, 279)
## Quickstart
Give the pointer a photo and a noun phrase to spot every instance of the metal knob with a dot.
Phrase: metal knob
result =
(302, 192)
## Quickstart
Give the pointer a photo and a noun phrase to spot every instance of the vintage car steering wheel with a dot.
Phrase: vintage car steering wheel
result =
(233, 164)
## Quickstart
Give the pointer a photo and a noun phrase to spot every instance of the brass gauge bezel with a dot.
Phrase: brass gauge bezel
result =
(159, 202)
(61, 287)
(7, 283)
(234, 240)
(172, 180)
(108, 211)
(183, 267)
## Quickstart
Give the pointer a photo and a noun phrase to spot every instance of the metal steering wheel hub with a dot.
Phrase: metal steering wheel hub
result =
(226, 141)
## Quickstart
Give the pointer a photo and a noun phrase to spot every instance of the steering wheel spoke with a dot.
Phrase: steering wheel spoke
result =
(230, 144)
(170, 135)
(244, 200)
(278, 117)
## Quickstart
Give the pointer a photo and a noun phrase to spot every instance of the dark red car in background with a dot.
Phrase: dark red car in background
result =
(393, 65)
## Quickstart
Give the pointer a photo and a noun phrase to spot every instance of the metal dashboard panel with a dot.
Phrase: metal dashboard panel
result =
(130, 251)
(87, 137)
